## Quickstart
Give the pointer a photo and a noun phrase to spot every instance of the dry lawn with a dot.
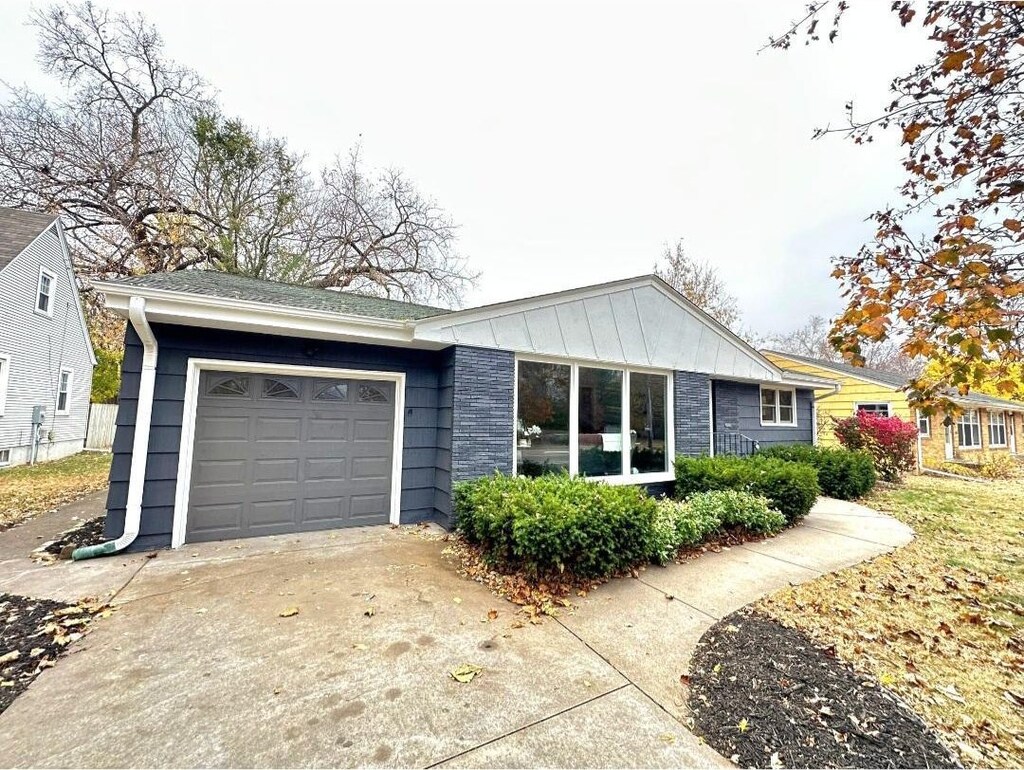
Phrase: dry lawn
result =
(940, 621)
(27, 491)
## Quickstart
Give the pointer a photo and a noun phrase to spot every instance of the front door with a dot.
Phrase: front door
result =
(949, 442)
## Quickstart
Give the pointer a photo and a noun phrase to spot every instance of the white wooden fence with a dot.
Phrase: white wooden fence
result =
(102, 422)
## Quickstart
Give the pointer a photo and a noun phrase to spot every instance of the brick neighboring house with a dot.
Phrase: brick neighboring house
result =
(986, 425)
(250, 407)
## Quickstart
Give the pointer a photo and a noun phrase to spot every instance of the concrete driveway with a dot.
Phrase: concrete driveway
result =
(197, 667)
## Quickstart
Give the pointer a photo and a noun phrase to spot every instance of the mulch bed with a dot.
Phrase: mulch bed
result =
(766, 696)
(87, 533)
(34, 633)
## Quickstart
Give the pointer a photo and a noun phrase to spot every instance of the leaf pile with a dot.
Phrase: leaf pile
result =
(26, 491)
(34, 633)
(939, 621)
(764, 695)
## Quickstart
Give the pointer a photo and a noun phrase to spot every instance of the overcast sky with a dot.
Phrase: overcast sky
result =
(571, 140)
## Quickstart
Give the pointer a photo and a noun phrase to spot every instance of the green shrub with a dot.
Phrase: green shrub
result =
(734, 508)
(680, 525)
(791, 488)
(554, 523)
(842, 473)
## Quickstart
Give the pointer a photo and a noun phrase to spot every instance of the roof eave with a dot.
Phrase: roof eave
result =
(189, 309)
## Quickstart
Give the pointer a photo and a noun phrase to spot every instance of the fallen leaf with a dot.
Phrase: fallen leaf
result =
(667, 738)
(370, 611)
(465, 673)
(950, 692)
(7, 657)
(288, 612)
(492, 615)
(360, 646)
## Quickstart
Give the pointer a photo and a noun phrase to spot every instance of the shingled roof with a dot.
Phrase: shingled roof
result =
(18, 228)
(211, 283)
(898, 382)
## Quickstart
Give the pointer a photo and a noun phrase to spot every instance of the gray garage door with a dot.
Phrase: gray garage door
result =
(276, 454)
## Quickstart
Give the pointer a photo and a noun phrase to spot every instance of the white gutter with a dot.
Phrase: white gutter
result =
(140, 443)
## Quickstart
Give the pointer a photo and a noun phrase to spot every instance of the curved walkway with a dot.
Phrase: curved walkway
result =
(197, 668)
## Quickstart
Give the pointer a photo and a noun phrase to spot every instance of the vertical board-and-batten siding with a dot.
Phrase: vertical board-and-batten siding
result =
(38, 346)
(179, 343)
(738, 409)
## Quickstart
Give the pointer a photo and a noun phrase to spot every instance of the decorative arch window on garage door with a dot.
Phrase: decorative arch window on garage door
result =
(371, 394)
(330, 391)
(280, 388)
(233, 385)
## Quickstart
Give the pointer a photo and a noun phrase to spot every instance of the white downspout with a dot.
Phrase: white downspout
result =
(140, 443)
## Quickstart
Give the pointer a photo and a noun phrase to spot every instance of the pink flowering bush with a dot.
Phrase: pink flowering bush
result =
(889, 440)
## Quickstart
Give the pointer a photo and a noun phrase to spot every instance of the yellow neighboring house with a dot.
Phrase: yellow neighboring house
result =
(985, 426)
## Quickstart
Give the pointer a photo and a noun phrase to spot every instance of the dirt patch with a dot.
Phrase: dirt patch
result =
(766, 696)
(34, 633)
(89, 532)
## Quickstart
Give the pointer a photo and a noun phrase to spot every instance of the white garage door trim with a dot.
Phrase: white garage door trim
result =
(188, 424)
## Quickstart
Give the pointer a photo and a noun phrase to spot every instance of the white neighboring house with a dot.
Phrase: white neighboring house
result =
(46, 359)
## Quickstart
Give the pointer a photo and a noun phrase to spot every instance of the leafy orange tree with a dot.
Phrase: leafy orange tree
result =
(943, 272)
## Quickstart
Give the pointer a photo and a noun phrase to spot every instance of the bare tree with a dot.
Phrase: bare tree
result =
(699, 282)
(375, 232)
(814, 340)
(148, 176)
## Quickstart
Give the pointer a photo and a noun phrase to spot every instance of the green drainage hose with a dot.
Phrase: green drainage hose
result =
(89, 551)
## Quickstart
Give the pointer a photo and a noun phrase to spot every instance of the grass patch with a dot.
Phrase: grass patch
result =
(937, 620)
(26, 491)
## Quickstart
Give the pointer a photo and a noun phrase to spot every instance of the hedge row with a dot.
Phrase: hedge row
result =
(791, 488)
(555, 523)
(842, 473)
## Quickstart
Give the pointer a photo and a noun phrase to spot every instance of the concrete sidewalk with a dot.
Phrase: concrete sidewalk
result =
(197, 668)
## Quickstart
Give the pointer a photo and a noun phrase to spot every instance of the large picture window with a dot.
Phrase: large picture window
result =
(595, 421)
(968, 429)
(647, 422)
(600, 422)
(542, 419)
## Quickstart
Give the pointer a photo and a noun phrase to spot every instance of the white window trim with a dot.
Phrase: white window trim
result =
(859, 406)
(928, 421)
(981, 434)
(48, 313)
(5, 378)
(195, 369)
(574, 414)
(1004, 442)
(4, 461)
(777, 423)
(71, 384)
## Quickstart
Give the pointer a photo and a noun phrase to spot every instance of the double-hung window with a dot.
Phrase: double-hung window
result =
(45, 290)
(924, 425)
(64, 391)
(879, 408)
(592, 420)
(778, 406)
(996, 429)
(968, 429)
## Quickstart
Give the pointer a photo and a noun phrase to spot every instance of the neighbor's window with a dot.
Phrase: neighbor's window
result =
(648, 451)
(44, 291)
(968, 429)
(5, 371)
(5, 456)
(600, 422)
(64, 391)
(778, 407)
(924, 425)
(542, 418)
(882, 410)
(996, 429)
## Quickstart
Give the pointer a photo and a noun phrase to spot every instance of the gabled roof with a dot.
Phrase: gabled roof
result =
(18, 228)
(212, 283)
(899, 382)
(876, 376)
